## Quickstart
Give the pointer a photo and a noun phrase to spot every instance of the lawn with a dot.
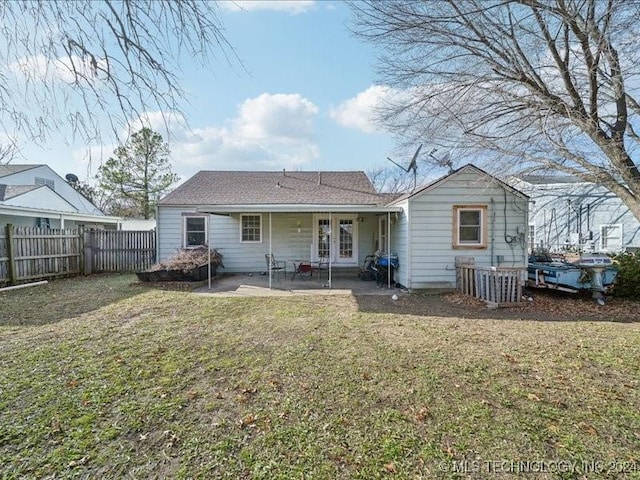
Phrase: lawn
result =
(104, 379)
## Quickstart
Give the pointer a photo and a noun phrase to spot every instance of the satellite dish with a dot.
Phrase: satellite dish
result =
(413, 165)
(444, 161)
(71, 178)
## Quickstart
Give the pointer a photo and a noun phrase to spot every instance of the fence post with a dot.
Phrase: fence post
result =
(11, 265)
(88, 257)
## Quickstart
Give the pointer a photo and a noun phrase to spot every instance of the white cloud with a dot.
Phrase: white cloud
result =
(65, 69)
(359, 112)
(292, 7)
(269, 132)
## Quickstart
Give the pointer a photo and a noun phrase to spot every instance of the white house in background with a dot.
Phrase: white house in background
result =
(569, 214)
(310, 215)
(138, 224)
(36, 196)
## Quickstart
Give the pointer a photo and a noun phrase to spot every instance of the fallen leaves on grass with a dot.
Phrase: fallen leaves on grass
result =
(559, 305)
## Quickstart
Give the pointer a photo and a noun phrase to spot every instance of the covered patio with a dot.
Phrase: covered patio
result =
(339, 238)
(257, 284)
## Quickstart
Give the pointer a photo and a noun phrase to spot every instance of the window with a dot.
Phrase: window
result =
(195, 231)
(250, 228)
(611, 238)
(469, 226)
(382, 234)
(532, 237)
(45, 181)
(43, 222)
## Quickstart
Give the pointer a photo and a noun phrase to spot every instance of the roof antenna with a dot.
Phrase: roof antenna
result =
(284, 172)
(319, 178)
(413, 165)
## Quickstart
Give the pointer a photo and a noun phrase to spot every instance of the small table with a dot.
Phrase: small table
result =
(301, 267)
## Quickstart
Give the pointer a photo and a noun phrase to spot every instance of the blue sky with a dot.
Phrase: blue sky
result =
(303, 100)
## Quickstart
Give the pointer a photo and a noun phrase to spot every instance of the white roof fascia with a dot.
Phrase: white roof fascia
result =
(38, 212)
(293, 208)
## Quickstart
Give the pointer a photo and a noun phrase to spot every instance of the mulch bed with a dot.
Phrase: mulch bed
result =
(551, 305)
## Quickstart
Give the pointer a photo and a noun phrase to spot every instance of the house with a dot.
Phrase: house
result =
(310, 215)
(138, 224)
(36, 196)
(567, 214)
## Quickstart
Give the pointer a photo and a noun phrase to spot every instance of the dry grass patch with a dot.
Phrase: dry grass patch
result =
(163, 383)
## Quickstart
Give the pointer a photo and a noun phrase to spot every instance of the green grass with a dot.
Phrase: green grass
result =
(103, 379)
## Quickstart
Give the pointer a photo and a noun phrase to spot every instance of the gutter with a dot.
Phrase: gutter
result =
(289, 208)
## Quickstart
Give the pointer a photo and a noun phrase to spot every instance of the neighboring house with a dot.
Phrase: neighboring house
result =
(309, 215)
(138, 224)
(567, 214)
(36, 196)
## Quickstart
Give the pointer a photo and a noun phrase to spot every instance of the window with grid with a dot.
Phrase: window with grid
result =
(611, 237)
(195, 231)
(251, 226)
(324, 237)
(469, 226)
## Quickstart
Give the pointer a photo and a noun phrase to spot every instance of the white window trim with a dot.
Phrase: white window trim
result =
(242, 215)
(333, 245)
(482, 244)
(382, 233)
(611, 225)
(184, 230)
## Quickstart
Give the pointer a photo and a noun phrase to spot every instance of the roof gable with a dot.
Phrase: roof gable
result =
(275, 188)
(443, 180)
(11, 191)
(34, 196)
(10, 169)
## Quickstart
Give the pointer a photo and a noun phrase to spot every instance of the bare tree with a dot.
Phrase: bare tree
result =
(516, 84)
(67, 66)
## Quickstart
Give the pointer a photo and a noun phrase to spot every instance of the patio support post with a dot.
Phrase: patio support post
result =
(332, 240)
(270, 251)
(209, 248)
(389, 250)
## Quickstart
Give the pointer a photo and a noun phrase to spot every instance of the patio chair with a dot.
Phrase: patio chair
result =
(274, 265)
(302, 269)
(323, 264)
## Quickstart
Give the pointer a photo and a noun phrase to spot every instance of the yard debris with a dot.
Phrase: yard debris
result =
(187, 259)
(553, 304)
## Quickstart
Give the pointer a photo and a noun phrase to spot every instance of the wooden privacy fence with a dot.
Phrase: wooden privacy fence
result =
(28, 253)
(118, 250)
(495, 285)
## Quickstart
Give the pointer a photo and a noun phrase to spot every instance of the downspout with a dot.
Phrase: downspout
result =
(409, 241)
(493, 228)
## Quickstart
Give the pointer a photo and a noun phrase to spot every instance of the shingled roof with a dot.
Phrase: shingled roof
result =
(10, 169)
(275, 188)
(10, 191)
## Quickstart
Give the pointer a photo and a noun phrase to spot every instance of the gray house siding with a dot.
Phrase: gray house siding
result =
(400, 244)
(572, 216)
(432, 254)
(291, 237)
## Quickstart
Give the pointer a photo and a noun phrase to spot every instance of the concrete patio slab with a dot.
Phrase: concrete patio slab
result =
(257, 285)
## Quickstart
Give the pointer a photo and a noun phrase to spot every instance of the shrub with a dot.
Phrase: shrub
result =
(628, 281)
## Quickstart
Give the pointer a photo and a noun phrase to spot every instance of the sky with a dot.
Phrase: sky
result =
(302, 100)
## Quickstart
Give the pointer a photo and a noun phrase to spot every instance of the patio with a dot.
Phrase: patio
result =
(257, 284)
